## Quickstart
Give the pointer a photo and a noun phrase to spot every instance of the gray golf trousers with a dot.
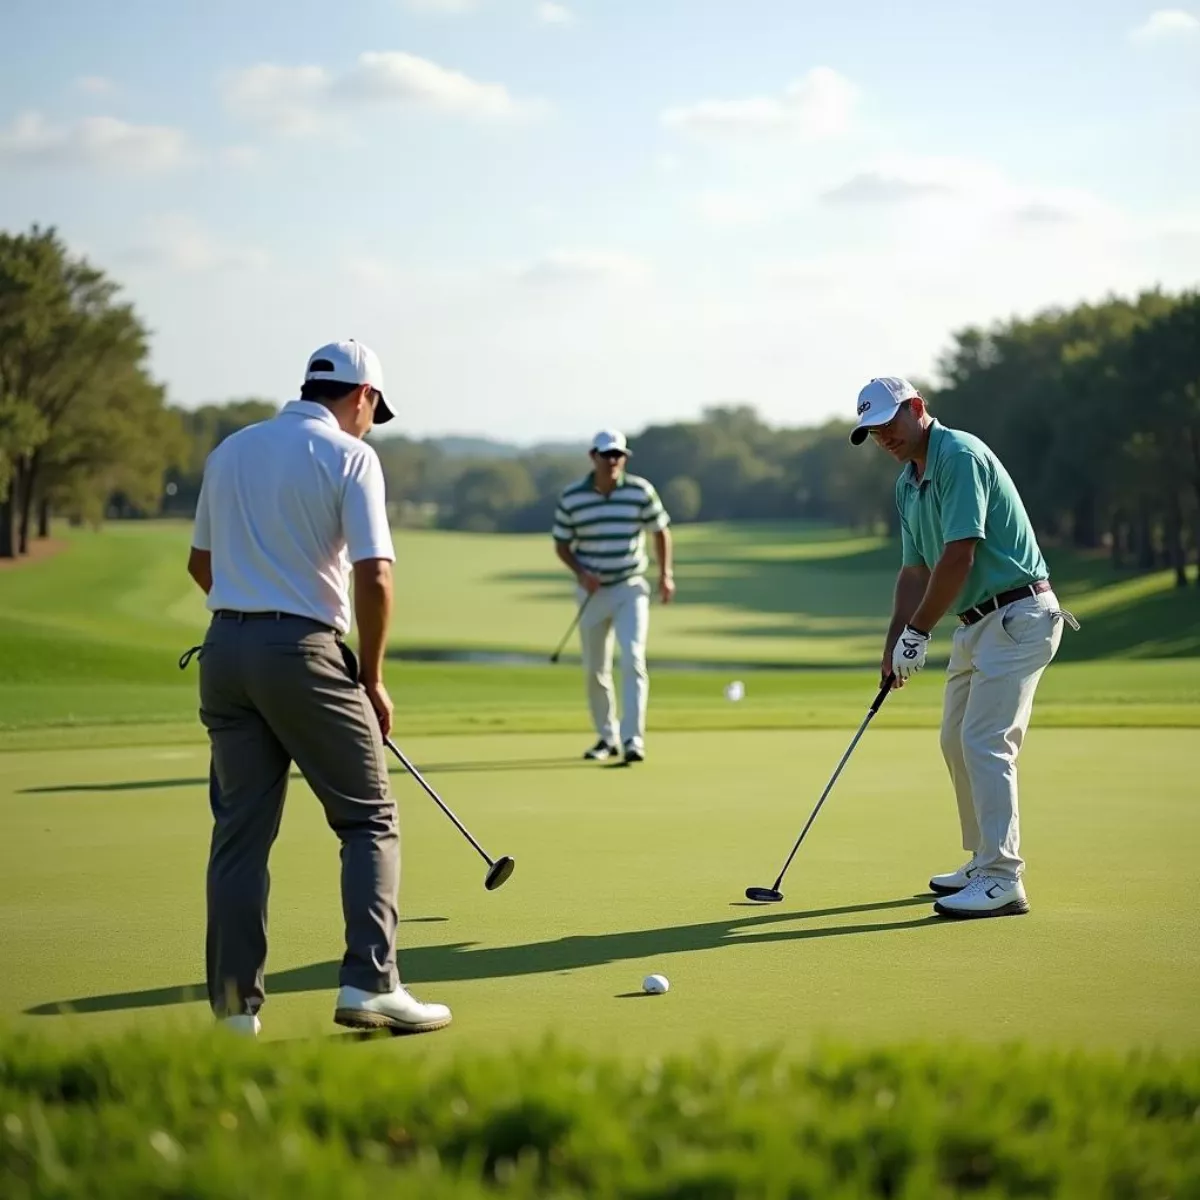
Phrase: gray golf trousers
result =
(273, 691)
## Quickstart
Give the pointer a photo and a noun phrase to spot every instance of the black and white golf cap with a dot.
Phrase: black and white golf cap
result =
(879, 402)
(350, 362)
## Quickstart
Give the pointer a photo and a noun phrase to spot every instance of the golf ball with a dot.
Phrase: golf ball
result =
(735, 690)
(655, 984)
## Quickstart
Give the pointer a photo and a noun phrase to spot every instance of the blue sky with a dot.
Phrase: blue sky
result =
(552, 217)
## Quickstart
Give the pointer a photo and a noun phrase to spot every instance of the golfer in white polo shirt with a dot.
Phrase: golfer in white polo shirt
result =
(287, 510)
(599, 535)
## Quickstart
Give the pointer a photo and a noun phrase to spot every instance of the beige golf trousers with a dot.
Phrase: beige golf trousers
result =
(620, 610)
(994, 670)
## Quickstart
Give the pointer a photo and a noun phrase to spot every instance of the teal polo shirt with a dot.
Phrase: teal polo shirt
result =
(966, 493)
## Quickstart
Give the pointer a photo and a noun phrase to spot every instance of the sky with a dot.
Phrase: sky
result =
(554, 217)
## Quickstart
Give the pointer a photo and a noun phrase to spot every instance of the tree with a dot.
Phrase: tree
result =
(63, 339)
(681, 498)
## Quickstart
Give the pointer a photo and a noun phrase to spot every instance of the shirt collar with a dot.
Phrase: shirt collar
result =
(309, 408)
(936, 430)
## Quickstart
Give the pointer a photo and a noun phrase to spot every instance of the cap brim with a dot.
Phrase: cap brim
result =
(383, 414)
(858, 434)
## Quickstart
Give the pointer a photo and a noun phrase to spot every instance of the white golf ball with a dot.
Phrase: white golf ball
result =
(655, 984)
(735, 690)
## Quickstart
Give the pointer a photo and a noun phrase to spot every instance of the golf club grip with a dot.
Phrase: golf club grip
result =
(435, 797)
(877, 703)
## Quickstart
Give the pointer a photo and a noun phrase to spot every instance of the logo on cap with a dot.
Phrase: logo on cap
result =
(864, 406)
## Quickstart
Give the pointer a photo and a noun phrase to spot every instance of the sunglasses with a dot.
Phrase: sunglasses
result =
(611, 455)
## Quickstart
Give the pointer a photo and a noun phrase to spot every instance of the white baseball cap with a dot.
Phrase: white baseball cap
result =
(879, 402)
(610, 439)
(350, 362)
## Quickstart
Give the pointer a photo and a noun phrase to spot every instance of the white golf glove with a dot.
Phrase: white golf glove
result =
(909, 655)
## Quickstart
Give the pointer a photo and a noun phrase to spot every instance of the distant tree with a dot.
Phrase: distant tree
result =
(64, 340)
(485, 494)
(681, 498)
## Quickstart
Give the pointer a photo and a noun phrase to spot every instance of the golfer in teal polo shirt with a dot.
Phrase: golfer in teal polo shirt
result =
(967, 547)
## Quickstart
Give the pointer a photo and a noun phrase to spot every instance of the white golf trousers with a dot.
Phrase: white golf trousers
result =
(623, 610)
(994, 670)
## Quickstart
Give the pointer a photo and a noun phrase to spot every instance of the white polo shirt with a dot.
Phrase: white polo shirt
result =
(286, 507)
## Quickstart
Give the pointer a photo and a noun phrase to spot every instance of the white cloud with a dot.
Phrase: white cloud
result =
(1166, 23)
(726, 209)
(971, 189)
(819, 105)
(581, 266)
(554, 14)
(95, 85)
(241, 156)
(178, 242)
(92, 142)
(297, 100)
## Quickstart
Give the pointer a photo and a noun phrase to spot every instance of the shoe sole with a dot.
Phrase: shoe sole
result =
(1015, 908)
(357, 1018)
(942, 889)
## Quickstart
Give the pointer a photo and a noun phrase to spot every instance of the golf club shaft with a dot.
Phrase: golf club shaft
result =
(875, 706)
(436, 799)
(571, 629)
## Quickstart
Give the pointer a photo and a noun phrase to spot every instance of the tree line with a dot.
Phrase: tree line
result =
(1095, 411)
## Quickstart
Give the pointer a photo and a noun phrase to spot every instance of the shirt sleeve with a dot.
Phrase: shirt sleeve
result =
(202, 527)
(654, 516)
(910, 556)
(564, 527)
(965, 490)
(364, 510)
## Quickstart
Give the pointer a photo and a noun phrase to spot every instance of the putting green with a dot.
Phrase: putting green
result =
(622, 872)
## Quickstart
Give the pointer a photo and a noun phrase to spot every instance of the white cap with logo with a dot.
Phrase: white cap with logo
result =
(879, 402)
(350, 362)
(610, 439)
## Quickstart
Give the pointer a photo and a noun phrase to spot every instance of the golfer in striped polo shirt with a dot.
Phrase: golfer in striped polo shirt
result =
(599, 534)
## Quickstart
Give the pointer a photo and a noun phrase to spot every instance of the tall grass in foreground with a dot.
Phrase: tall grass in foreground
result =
(207, 1117)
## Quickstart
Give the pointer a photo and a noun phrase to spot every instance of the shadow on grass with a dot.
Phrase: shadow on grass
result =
(446, 768)
(462, 960)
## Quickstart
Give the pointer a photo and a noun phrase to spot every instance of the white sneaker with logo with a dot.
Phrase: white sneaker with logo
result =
(985, 896)
(953, 881)
(245, 1024)
(397, 1010)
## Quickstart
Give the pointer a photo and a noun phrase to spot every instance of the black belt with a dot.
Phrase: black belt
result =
(230, 614)
(973, 615)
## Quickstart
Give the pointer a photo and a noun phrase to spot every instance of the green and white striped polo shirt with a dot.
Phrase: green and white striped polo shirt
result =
(607, 533)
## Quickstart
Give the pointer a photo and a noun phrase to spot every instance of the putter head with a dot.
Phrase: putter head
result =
(764, 895)
(498, 872)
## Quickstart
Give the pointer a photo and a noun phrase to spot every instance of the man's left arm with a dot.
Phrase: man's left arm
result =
(200, 559)
(655, 518)
(964, 507)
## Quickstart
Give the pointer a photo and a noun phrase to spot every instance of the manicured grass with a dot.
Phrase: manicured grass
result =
(622, 872)
(90, 639)
(202, 1118)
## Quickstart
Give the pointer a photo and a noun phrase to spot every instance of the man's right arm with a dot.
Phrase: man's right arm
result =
(564, 537)
(911, 585)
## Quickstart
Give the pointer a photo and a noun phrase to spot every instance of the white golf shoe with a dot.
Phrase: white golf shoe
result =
(244, 1024)
(985, 896)
(953, 881)
(397, 1010)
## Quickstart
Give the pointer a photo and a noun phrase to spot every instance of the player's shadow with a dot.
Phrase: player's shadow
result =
(467, 960)
(436, 768)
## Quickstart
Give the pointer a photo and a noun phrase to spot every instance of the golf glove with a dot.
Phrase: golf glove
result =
(909, 655)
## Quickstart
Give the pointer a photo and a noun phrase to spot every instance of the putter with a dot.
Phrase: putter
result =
(773, 895)
(498, 869)
(571, 630)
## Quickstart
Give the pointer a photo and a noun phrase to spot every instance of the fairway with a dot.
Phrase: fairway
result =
(623, 872)
(620, 872)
